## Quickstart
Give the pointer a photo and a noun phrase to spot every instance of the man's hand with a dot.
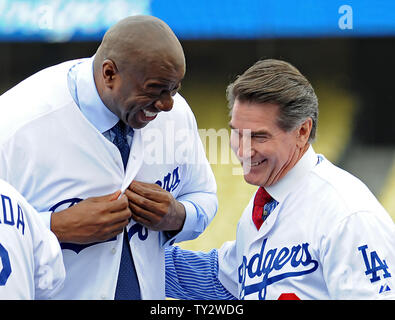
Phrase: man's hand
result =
(95, 219)
(154, 207)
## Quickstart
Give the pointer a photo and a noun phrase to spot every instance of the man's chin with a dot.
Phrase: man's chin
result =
(137, 124)
(250, 179)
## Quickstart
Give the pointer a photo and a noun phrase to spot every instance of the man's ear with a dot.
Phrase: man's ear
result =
(303, 133)
(109, 72)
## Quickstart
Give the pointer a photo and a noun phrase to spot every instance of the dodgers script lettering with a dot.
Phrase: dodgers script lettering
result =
(261, 265)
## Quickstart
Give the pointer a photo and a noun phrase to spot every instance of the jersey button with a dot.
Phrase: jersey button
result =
(113, 250)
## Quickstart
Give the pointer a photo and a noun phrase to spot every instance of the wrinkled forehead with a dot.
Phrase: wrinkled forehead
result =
(159, 65)
(254, 116)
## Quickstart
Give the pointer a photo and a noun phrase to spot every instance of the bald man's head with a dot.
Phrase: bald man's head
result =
(139, 40)
(138, 67)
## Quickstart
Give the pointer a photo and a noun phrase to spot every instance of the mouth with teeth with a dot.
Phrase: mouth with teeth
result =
(146, 116)
(249, 166)
(257, 163)
(149, 114)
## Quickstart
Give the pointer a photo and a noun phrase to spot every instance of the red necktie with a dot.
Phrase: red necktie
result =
(261, 198)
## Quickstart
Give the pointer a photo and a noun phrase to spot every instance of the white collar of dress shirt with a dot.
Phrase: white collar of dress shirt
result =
(286, 184)
(90, 103)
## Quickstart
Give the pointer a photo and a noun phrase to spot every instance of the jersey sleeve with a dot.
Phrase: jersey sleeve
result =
(228, 268)
(4, 174)
(193, 275)
(31, 263)
(49, 271)
(358, 258)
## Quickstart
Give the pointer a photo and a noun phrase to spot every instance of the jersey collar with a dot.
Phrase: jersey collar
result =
(285, 185)
(90, 103)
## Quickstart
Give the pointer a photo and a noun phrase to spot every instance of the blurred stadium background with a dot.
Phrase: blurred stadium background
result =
(345, 48)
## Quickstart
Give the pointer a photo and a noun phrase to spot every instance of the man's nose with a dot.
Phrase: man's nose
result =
(245, 150)
(165, 102)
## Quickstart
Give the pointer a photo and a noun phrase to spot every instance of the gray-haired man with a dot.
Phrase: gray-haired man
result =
(312, 230)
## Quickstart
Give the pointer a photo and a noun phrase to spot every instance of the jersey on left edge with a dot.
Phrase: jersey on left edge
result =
(31, 264)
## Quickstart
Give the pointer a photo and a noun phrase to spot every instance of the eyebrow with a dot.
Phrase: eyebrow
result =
(177, 87)
(157, 85)
(254, 133)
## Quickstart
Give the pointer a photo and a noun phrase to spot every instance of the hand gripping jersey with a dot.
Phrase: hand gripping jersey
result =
(328, 238)
(31, 265)
(54, 156)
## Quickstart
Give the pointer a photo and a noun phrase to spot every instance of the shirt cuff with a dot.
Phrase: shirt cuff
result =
(188, 230)
(46, 218)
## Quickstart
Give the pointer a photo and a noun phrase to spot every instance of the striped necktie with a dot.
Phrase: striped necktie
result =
(127, 285)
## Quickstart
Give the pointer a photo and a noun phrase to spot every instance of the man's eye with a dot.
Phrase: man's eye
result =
(152, 95)
(260, 138)
(175, 90)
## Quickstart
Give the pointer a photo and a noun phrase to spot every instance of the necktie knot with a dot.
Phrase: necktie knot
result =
(121, 130)
(262, 197)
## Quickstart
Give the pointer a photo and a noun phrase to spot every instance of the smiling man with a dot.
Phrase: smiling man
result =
(312, 230)
(138, 69)
(271, 151)
(73, 141)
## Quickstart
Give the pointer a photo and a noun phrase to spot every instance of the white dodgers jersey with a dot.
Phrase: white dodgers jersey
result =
(328, 238)
(31, 264)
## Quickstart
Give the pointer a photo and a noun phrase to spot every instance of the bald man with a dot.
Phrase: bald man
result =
(109, 154)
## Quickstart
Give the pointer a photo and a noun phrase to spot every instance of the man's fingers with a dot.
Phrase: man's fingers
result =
(147, 190)
(117, 224)
(109, 197)
(158, 207)
(154, 207)
(141, 220)
(118, 227)
(142, 215)
(115, 195)
(119, 216)
(118, 205)
(111, 233)
(141, 201)
(142, 209)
